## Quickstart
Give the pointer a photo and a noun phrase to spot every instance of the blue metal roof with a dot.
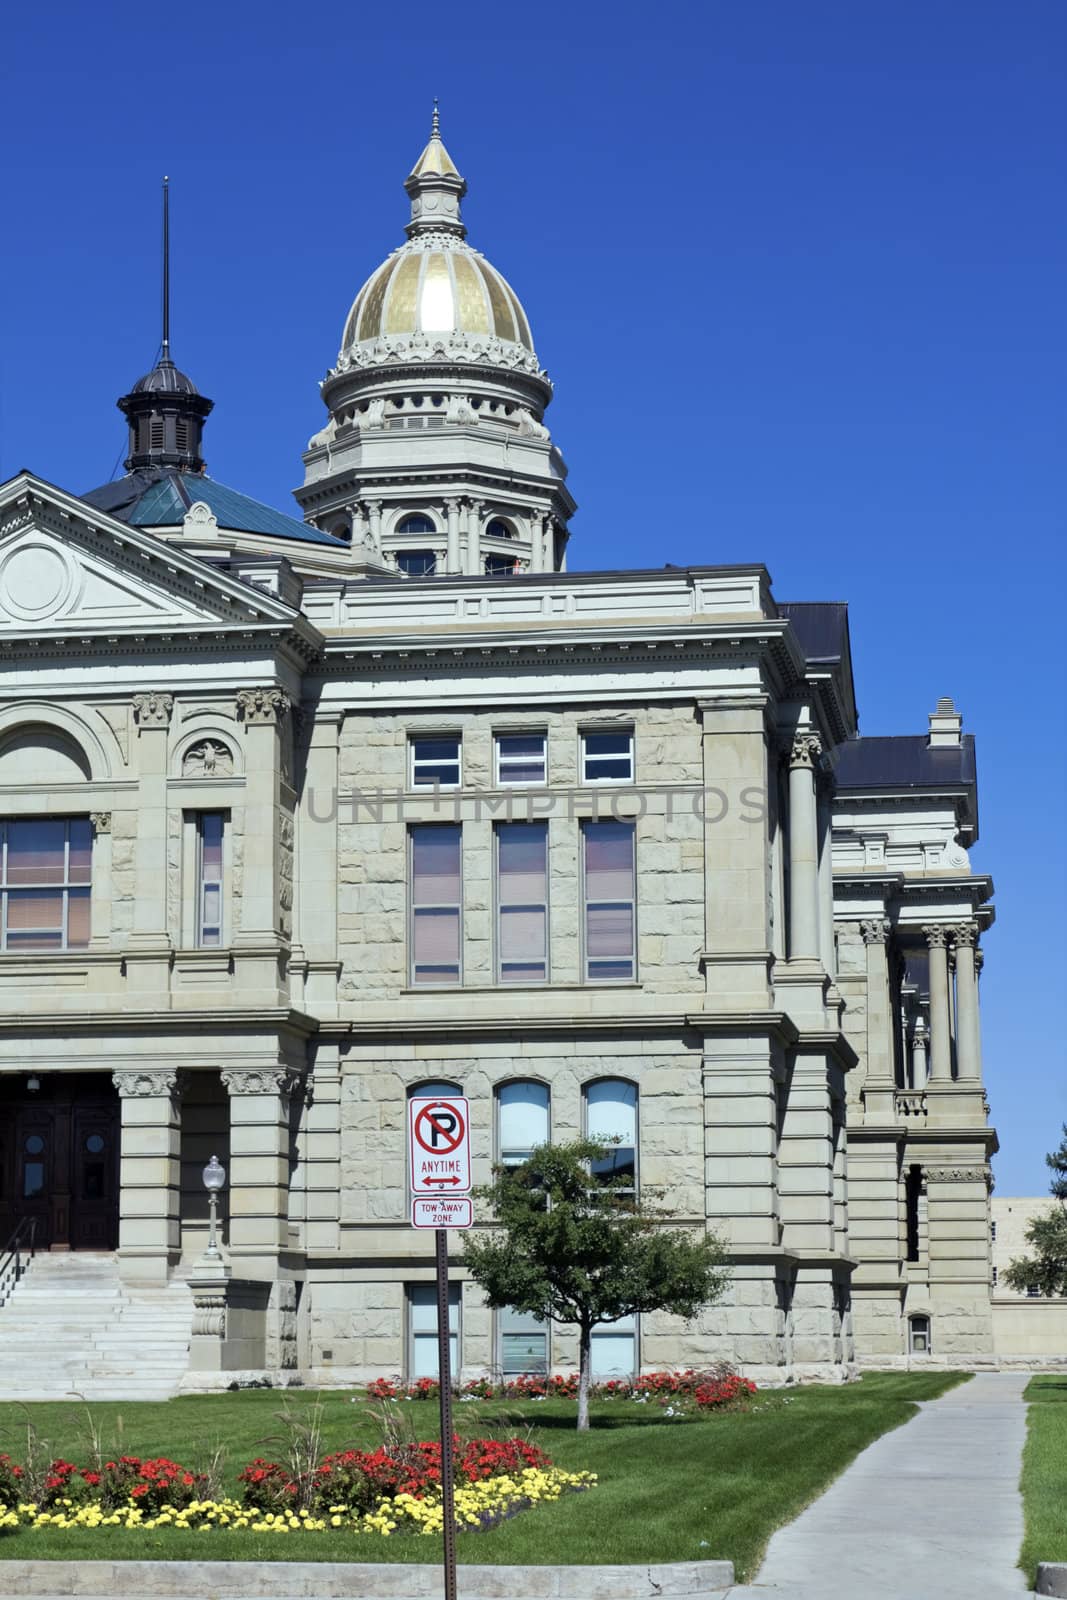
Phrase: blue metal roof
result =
(162, 503)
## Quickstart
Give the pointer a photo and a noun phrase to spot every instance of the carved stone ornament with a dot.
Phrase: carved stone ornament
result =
(134, 1084)
(262, 706)
(209, 1313)
(259, 1080)
(805, 751)
(875, 930)
(208, 758)
(153, 710)
(101, 821)
(936, 935)
(966, 933)
(958, 1175)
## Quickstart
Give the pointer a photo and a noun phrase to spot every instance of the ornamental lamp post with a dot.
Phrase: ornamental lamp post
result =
(214, 1180)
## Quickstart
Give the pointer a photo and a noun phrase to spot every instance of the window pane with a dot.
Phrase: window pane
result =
(81, 847)
(609, 861)
(522, 934)
(435, 856)
(514, 745)
(606, 971)
(613, 1353)
(211, 844)
(35, 909)
(435, 1088)
(611, 1110)
(523, 1112)
(435, 761)
(608, 755)
(422, 1299)
(78, 918)
(619, 1162)
(609, 931)
(523, 861)
(417, 563)
(437, 937)
(212, 905)
(35, 852)
(521, 758)
(524, 1352)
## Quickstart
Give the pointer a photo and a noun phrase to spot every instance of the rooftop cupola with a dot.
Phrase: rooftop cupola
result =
(164, 409)
(436, 189)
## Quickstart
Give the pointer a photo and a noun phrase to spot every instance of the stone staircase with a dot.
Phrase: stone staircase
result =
(71, 1327)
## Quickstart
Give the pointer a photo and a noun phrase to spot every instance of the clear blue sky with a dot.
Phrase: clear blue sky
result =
(797, 269)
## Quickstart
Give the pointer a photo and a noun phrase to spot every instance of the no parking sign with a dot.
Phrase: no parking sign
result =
(439, 1142)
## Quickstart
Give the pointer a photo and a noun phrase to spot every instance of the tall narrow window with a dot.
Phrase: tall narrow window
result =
(210, 834)
(422, 1313)
(522, 901)
(522, 1109)
(609, 900)
(436, 903)
(45, 884)
(611, 1120)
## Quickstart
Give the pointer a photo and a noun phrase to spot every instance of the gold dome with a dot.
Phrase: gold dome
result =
(436, 286)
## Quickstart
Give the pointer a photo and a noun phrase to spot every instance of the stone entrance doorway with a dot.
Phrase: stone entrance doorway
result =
(59, 1159)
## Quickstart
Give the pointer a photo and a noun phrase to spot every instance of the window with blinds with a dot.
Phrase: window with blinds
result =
(436, 908)
(522, 902)
(210, 832)
(609, 901)
(45, 866)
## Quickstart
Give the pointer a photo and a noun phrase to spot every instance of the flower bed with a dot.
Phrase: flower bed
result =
(372, 1492)
(710, 1391)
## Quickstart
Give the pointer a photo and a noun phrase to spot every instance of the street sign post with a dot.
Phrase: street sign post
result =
(440, 1163)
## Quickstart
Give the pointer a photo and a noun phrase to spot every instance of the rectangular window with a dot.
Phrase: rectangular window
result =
(210, 834)
(523, 1343)
(615, 1349)
(422, 1320)
(435, 761)
(436, 902)
(608, 866)
(520, 758)
(44, 882)
(522, 902)
(608, 757)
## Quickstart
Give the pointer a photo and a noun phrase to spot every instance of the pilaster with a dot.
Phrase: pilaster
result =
(148, 950)
(259, 1167)
(149, 1173)
(267, 880)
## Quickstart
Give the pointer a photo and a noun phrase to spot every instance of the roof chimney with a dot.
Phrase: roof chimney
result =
(946, 726)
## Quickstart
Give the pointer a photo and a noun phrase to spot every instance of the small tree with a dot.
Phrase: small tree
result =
(1045, 1271)
(584, 1251)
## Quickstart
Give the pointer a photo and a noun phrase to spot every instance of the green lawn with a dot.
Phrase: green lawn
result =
(1044, 1479)
(669, 1490)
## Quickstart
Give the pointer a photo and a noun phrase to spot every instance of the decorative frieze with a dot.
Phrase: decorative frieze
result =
(134, 1084)
(262, 707)
(972, 1174)
(259, 1080)
(153, 710)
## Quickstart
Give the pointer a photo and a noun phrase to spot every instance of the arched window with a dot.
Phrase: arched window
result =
(611, 1115)
(433, 1086)
(499, 529)
(418, 522)
(919, 1335)
(522, 1119)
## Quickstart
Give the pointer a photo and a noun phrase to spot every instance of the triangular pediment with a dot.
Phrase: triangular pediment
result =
(66, 567)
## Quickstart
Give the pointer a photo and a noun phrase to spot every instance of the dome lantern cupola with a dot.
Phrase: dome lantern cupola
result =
(436, 189)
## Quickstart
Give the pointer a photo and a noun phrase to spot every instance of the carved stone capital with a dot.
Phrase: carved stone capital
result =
(259, 1080)
(965, 933)
(153, 710)
(973, 1174)
(134, 1084)
(805, 751)
(101, 821)
(262, 706)
(209, 1313)
(936, 934)
(875, 930)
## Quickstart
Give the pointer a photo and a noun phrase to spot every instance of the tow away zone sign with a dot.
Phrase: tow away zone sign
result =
(439, 1144)
(438, 1213)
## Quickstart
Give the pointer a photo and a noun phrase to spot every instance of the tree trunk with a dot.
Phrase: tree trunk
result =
(585, 1364)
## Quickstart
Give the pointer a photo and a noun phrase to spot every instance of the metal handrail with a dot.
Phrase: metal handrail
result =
(16, 1255)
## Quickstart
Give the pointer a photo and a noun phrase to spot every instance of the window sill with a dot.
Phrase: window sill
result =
(521, 988)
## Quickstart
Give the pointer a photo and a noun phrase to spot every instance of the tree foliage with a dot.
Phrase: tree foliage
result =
(1045, 1270)
(585, 1251)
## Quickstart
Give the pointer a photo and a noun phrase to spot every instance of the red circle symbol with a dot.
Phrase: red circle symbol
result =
(440, 1128)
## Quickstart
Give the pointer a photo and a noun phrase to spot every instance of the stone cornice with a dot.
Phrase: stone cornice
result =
(247, 1020)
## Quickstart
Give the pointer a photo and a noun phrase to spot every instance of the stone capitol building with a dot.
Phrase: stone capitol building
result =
(303, 814)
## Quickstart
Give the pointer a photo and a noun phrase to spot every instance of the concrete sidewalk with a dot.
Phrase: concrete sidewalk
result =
(931, 1511)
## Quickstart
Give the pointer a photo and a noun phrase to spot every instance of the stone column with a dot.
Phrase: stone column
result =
(150, 1173)
(918, 1053)
(824, 814)
(454, 561)
(102, 891)
(803, 849)
(474, 523)
(374, 514)
(968, 1044)
(537, 541)
(267, 878)
(259, 1167)
(881, 1077)
(940, 1040)
(148, 954)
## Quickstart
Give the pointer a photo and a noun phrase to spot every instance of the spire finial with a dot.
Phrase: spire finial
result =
(435, 122)
(165, 347)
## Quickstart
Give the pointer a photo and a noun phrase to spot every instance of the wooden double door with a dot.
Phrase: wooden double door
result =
(59, 1159)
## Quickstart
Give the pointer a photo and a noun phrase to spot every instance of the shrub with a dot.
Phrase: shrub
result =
(11, 1476)
(720, 1394)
